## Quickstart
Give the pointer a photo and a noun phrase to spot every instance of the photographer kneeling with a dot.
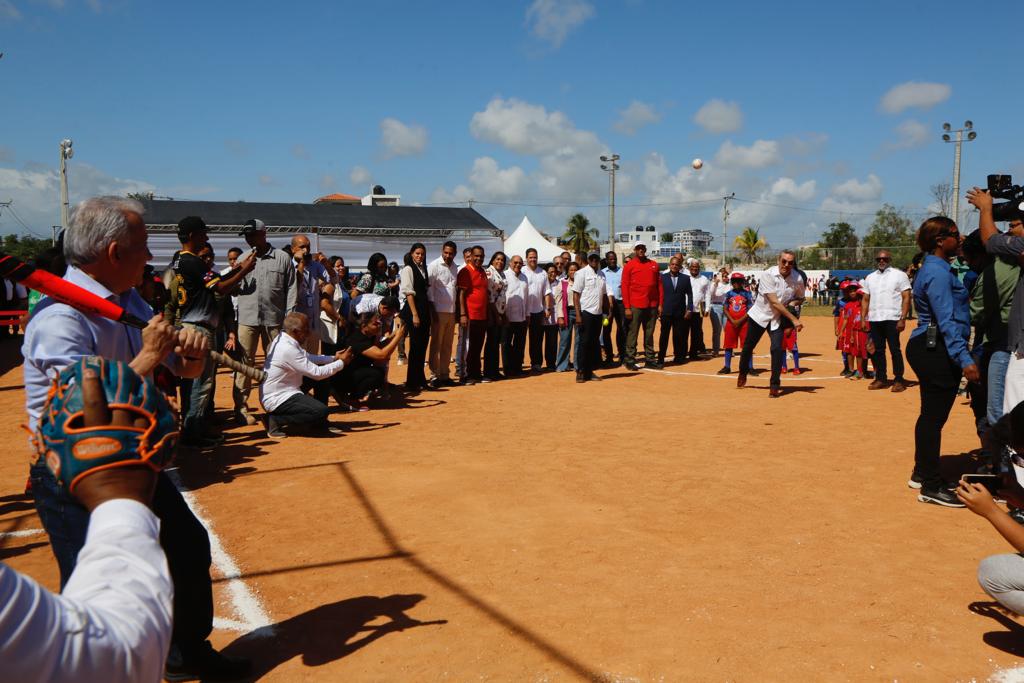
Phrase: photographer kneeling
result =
(1002, 576)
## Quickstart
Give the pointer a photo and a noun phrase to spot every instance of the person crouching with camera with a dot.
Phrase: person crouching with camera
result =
(938, 353)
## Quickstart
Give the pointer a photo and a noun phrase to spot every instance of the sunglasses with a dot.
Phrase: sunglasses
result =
(883, 258)
(788, 263)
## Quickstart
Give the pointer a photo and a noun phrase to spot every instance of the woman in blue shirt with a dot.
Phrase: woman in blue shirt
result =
(937, 351)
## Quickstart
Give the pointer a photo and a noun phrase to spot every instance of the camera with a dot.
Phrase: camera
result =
(1002, 187)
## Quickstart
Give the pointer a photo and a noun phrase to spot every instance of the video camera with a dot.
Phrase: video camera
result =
(1002, 187)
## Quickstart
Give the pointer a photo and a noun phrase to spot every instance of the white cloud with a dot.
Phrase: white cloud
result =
(636, 116)
(910, 133)
(855, 196)
(527, 128)
(914, 94)
(300, 152)
(36, 192)
(8, 12)
(359, 176)
(553, 20)
(788, 187)
(870, 188)
(759, 155)
(719, 116)
(401, 140)
(488, 180)
(267, 180)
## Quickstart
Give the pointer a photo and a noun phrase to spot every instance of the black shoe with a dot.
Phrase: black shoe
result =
(654, 366)
(579, 378)
(205, 664)
(201, 442)
(940, 496)
(1017, 514)
(724, 371)
(632, 367)
(594, 378)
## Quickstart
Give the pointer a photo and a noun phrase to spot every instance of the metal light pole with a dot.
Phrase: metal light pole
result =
(958, 141)
(611, 167)
(725, 223)
(65, 153)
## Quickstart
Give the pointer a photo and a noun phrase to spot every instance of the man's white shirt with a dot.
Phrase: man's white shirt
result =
(113, 621)
(590, 285)
(785, 290)
(287, 363)
(539, 287)
(516, 290)
(886, 287)
(701, 287)
(441, 285)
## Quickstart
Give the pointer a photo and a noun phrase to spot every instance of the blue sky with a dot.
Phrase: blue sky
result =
(833, 108)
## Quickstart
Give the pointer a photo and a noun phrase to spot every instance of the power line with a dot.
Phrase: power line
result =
(25, 225)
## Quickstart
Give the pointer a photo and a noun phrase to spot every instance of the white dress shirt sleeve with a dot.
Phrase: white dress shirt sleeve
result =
(113, 622)
(405, 283)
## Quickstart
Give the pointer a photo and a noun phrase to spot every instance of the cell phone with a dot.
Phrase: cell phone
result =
(931, 336)
(992, 482)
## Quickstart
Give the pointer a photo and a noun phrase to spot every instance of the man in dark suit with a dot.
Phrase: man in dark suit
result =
(675, 310)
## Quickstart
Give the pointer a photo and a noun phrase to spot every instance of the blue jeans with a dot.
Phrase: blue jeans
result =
(998, 361)
(202, 388)
(565, 335)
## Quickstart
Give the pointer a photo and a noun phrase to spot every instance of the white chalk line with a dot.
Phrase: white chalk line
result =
(248, 608)
(22, 533)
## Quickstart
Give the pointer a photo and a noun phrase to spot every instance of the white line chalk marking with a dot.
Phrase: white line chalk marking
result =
(22, 534)
(248, 608)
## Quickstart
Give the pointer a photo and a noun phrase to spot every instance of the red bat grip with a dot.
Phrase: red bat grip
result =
(64, 291)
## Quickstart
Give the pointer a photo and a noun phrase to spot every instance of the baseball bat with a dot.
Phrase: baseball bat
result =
(61, 290)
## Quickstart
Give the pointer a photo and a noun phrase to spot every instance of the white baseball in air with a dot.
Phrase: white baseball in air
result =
(697, 163)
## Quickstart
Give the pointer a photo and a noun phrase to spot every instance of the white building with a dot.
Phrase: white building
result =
(693, 240)
(648, 235)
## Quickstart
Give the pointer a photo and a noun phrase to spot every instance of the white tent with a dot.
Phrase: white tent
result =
(526, 236)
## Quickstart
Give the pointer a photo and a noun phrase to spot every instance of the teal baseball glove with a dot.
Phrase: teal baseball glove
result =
(71, 450)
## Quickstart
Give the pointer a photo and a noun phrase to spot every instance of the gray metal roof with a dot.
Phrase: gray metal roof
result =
(339, 219)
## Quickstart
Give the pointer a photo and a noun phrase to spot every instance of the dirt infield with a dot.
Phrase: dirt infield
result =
(658, 526)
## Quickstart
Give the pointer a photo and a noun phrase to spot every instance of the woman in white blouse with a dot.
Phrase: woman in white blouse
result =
(720, 287)
(496, 285)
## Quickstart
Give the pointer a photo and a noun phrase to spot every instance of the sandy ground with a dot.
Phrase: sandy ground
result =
(658, 526)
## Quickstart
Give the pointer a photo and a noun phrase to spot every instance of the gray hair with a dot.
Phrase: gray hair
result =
(293, 322)
(788, 251)
(95, 224)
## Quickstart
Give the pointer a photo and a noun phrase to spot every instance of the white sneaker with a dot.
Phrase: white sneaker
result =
(401, 361)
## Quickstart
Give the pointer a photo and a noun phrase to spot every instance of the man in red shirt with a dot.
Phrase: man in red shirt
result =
(641, 299)
(473, 299)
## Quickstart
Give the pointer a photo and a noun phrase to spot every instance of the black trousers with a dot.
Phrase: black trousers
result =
(322, 388)
(419, 339)
(551, 346)
(360, 381)
(513, 348)
(477, 334)
(492, 350)
(616, 319)
(754, 334)
(536, 340)
(938, 379)
(590, 344)
(182, 536)
(300, 409)
(884, 332)
(695, 334)
(676, 326)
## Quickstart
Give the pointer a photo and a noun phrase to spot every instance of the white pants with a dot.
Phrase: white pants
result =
(1013, 392)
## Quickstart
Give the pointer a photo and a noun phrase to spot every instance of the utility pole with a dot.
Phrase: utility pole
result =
(610, 166)
(55, 229)
(958, 141)
(725, 223)
(65, 153)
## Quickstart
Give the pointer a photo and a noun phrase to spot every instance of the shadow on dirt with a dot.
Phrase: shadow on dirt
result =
(328, 633)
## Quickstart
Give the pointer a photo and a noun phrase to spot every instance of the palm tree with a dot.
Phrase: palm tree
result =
(580, 237)
(749, 242)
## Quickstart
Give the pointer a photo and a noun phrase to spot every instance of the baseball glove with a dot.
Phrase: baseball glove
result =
(71, 450)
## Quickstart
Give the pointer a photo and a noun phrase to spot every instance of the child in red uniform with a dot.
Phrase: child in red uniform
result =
(737, 303)
(853, 338)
